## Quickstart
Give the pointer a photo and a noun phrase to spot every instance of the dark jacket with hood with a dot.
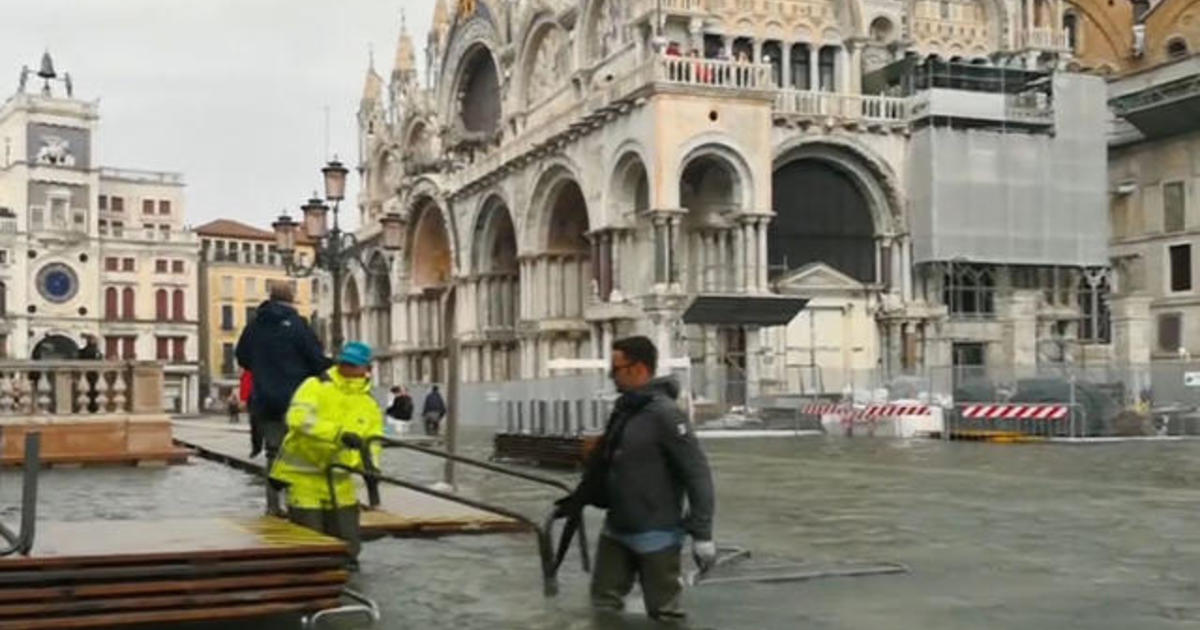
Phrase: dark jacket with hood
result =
(648, 461)
(281, 351)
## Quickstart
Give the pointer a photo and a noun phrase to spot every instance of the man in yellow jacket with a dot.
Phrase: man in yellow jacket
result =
(330, 418)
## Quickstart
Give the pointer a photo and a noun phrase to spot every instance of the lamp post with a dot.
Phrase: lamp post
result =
(334, 249)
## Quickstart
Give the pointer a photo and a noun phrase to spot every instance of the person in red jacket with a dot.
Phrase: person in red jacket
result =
(245, 389)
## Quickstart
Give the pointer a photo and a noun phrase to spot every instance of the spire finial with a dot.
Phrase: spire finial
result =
(403, 21)
(371, 55)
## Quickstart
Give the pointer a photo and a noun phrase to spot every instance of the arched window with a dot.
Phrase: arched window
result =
(1070, 27)
(800, 61)
(110, 303)
(826, 65)
(969, 291)
(160, 305)
(127, 306)
(1177, 48)
(177, 309)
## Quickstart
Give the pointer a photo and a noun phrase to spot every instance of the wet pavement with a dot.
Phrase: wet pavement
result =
(996, 536)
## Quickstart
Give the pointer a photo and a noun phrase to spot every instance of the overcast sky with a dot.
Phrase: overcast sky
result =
(232, 93)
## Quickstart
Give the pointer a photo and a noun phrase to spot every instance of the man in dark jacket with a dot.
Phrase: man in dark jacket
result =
(645, 465)
(402, 404)
(433, 410)
(281, 351)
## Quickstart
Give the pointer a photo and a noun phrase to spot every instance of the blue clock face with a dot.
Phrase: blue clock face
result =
(57, 282)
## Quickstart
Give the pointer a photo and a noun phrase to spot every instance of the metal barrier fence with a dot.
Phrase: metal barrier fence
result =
(1104, 400)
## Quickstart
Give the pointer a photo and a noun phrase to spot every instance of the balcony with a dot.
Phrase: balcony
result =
(142, 176)
(1045, 39)
(843, 107)
(712, 74)
(646, 9)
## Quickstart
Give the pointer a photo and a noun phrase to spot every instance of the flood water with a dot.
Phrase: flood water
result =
(996, 536)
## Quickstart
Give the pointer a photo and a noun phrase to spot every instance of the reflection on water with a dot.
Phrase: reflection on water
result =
(1022, 536)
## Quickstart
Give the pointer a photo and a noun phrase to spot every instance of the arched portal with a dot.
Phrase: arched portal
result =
(495, 291)
(429, 268)
(821, 215)
(479, 92)
(379, 307)
(712, 193)
(55, 347)
(561, 271)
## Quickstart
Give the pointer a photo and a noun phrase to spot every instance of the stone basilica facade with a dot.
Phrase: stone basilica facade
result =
(926, 173)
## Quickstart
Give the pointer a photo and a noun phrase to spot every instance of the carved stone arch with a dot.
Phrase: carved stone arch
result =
(476, 37)
(604, 29)
(494, 237)
(1117, 38)
(831, 37)
(627, 190)
(546, 54)
(870, 173)
(534, 227)
(430, 249)
(725, 149)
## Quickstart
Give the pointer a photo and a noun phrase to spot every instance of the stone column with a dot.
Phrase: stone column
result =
(753, 352)
(757, 47)
(763, 259)
(906, 268)
(1132, 336)
(676, 270)
(897, 263)
(1017, 310)
(785, 70)
(855, 73)
(841, 74)
(814, 62)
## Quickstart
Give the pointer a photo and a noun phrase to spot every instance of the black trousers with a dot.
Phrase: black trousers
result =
(267, 431)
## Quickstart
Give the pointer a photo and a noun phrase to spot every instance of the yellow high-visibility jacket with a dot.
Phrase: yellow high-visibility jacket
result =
(321, 409)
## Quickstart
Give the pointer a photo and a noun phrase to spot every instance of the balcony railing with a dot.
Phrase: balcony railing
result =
(79, 388)
(141, 176)
(713, 73)
(841, 106)
(1046, 39)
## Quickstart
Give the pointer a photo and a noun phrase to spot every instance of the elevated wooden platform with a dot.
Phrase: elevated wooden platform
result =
(402, 512)
(103, 439)
(105, 574)
(553, 451)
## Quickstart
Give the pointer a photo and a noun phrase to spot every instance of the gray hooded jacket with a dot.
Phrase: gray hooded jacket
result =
(647, 462)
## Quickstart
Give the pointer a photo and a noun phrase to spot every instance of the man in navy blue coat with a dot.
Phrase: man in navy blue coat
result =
(280, 349)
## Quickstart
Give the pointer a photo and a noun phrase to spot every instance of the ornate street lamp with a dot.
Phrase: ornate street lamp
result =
(335, 249)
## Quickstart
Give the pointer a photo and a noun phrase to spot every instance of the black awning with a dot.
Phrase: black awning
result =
(744, 310)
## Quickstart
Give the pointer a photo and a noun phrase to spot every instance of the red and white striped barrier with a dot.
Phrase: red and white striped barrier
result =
(1016, 411)
(869, 411)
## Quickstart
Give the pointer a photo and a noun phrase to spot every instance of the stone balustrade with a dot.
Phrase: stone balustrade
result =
(713, 73)
(79, 388)
(1046, 39)
(842, 106)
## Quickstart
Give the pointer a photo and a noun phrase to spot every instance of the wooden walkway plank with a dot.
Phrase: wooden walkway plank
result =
(110, 620)
(182, 569)
(157, 602)
(144, 587)
(111, 543)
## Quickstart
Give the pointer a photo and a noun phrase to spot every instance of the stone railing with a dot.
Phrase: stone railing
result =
(674, 7)
(142, 176)
(712, 73)
(79, 388)
(842, 106)
(1046, 39)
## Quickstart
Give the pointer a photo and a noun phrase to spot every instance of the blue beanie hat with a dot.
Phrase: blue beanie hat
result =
(355, 353)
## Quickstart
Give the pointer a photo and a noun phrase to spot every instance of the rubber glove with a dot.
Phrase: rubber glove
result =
(351, 440)
(704, 552)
